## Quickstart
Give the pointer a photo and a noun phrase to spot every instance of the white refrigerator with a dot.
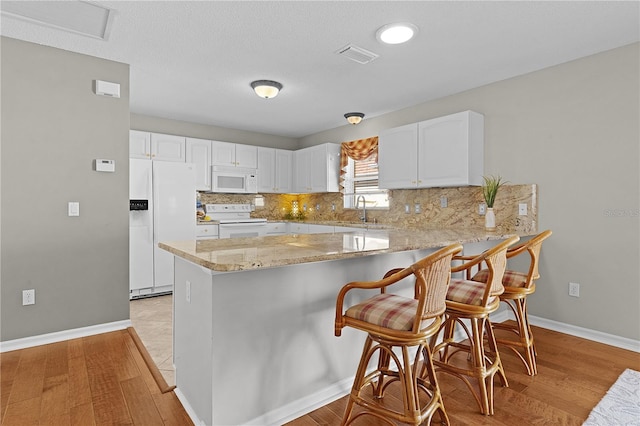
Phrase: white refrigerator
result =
(170, 191)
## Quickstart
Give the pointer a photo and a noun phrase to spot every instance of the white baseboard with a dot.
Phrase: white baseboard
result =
(187, 407)
(59, 336)
(585, 333)
(304, 405)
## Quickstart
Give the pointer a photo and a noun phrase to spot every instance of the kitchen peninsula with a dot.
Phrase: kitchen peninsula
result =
(253, 317)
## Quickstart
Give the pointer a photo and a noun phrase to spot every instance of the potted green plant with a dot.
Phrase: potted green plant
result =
(489, 191)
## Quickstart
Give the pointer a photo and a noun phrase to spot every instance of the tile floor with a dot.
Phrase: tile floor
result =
(151, 318)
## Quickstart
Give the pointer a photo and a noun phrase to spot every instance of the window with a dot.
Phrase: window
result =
(361, 178)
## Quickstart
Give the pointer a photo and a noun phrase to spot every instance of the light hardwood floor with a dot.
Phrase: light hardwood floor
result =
(95, 380)
(573, 375)
(103, 380)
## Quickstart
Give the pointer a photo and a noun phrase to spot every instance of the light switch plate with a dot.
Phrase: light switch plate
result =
(74, 208)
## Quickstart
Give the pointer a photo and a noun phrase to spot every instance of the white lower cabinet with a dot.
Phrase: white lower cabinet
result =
(276, 228)
(204, 232)
(297, 228)
(320, 229)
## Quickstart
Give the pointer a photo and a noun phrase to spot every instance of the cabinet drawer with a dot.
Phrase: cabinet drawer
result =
(206, 231)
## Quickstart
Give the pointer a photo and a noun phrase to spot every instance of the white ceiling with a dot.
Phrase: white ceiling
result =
(194, 60)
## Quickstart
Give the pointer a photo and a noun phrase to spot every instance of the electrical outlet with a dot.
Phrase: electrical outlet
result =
(574, 289)
(443, 202)
(482, 208)
(418, 209)
(407, 209)
(522, 209)
(28, 297)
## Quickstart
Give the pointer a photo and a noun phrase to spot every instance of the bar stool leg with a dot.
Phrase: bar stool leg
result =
(357, 381)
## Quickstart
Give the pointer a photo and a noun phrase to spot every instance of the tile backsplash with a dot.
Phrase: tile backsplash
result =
(461, 210)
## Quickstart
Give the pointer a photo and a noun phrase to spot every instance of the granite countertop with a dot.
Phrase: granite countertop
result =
(238, 254)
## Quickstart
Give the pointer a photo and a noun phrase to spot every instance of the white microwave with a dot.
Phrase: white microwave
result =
(234, 180)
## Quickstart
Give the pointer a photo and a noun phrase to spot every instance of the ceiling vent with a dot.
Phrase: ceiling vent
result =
(80, 17)
(358, 54)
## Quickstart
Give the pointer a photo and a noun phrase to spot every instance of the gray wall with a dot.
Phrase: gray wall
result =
(203, 131)
(53, 127)
(574, 130)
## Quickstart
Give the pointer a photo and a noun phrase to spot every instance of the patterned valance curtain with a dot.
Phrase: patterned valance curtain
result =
(360, 149)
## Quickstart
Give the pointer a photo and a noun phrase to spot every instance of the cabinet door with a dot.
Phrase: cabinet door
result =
(397, 163)
(266, 170)
(223, 153)
(443, 150)
(276, 228)
(167, 147)
(246, 156)
(317, 169)
(283, 170)
(298, 228)
(301, 165)
(139, 144)
(199, 153)
(320, 229)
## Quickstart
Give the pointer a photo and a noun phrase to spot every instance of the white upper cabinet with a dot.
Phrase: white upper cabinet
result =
(167, 147)
(233, 155)
(397, 165)
(451, 150)
(199, 153)
(274, 170)
(445, 151)
(156, 146)
(317, 169)
(139, 144)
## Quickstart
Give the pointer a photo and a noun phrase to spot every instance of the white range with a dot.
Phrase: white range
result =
(235, 220)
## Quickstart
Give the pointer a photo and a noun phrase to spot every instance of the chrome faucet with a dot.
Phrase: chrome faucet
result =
(363, 218)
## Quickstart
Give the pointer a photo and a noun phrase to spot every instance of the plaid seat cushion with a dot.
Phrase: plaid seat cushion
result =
(386, 310)
(510, 278)
(467, 292)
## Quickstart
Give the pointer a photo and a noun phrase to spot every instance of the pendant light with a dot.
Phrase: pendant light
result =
(266, 88)
(354, 117)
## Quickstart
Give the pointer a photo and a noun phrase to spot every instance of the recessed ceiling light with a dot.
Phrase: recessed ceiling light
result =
(396, 33)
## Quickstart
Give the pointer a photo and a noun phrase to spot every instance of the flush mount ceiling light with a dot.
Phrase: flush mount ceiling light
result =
(266, 88)
(396, 33)
(354, 117)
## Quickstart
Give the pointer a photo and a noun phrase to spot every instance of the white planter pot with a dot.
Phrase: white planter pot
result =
(490, 220)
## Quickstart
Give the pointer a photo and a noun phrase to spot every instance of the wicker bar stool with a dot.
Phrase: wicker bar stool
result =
(517, 286)
(469, 304)
(393, 321)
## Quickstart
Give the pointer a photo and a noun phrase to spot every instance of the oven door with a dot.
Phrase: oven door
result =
(241, 230)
